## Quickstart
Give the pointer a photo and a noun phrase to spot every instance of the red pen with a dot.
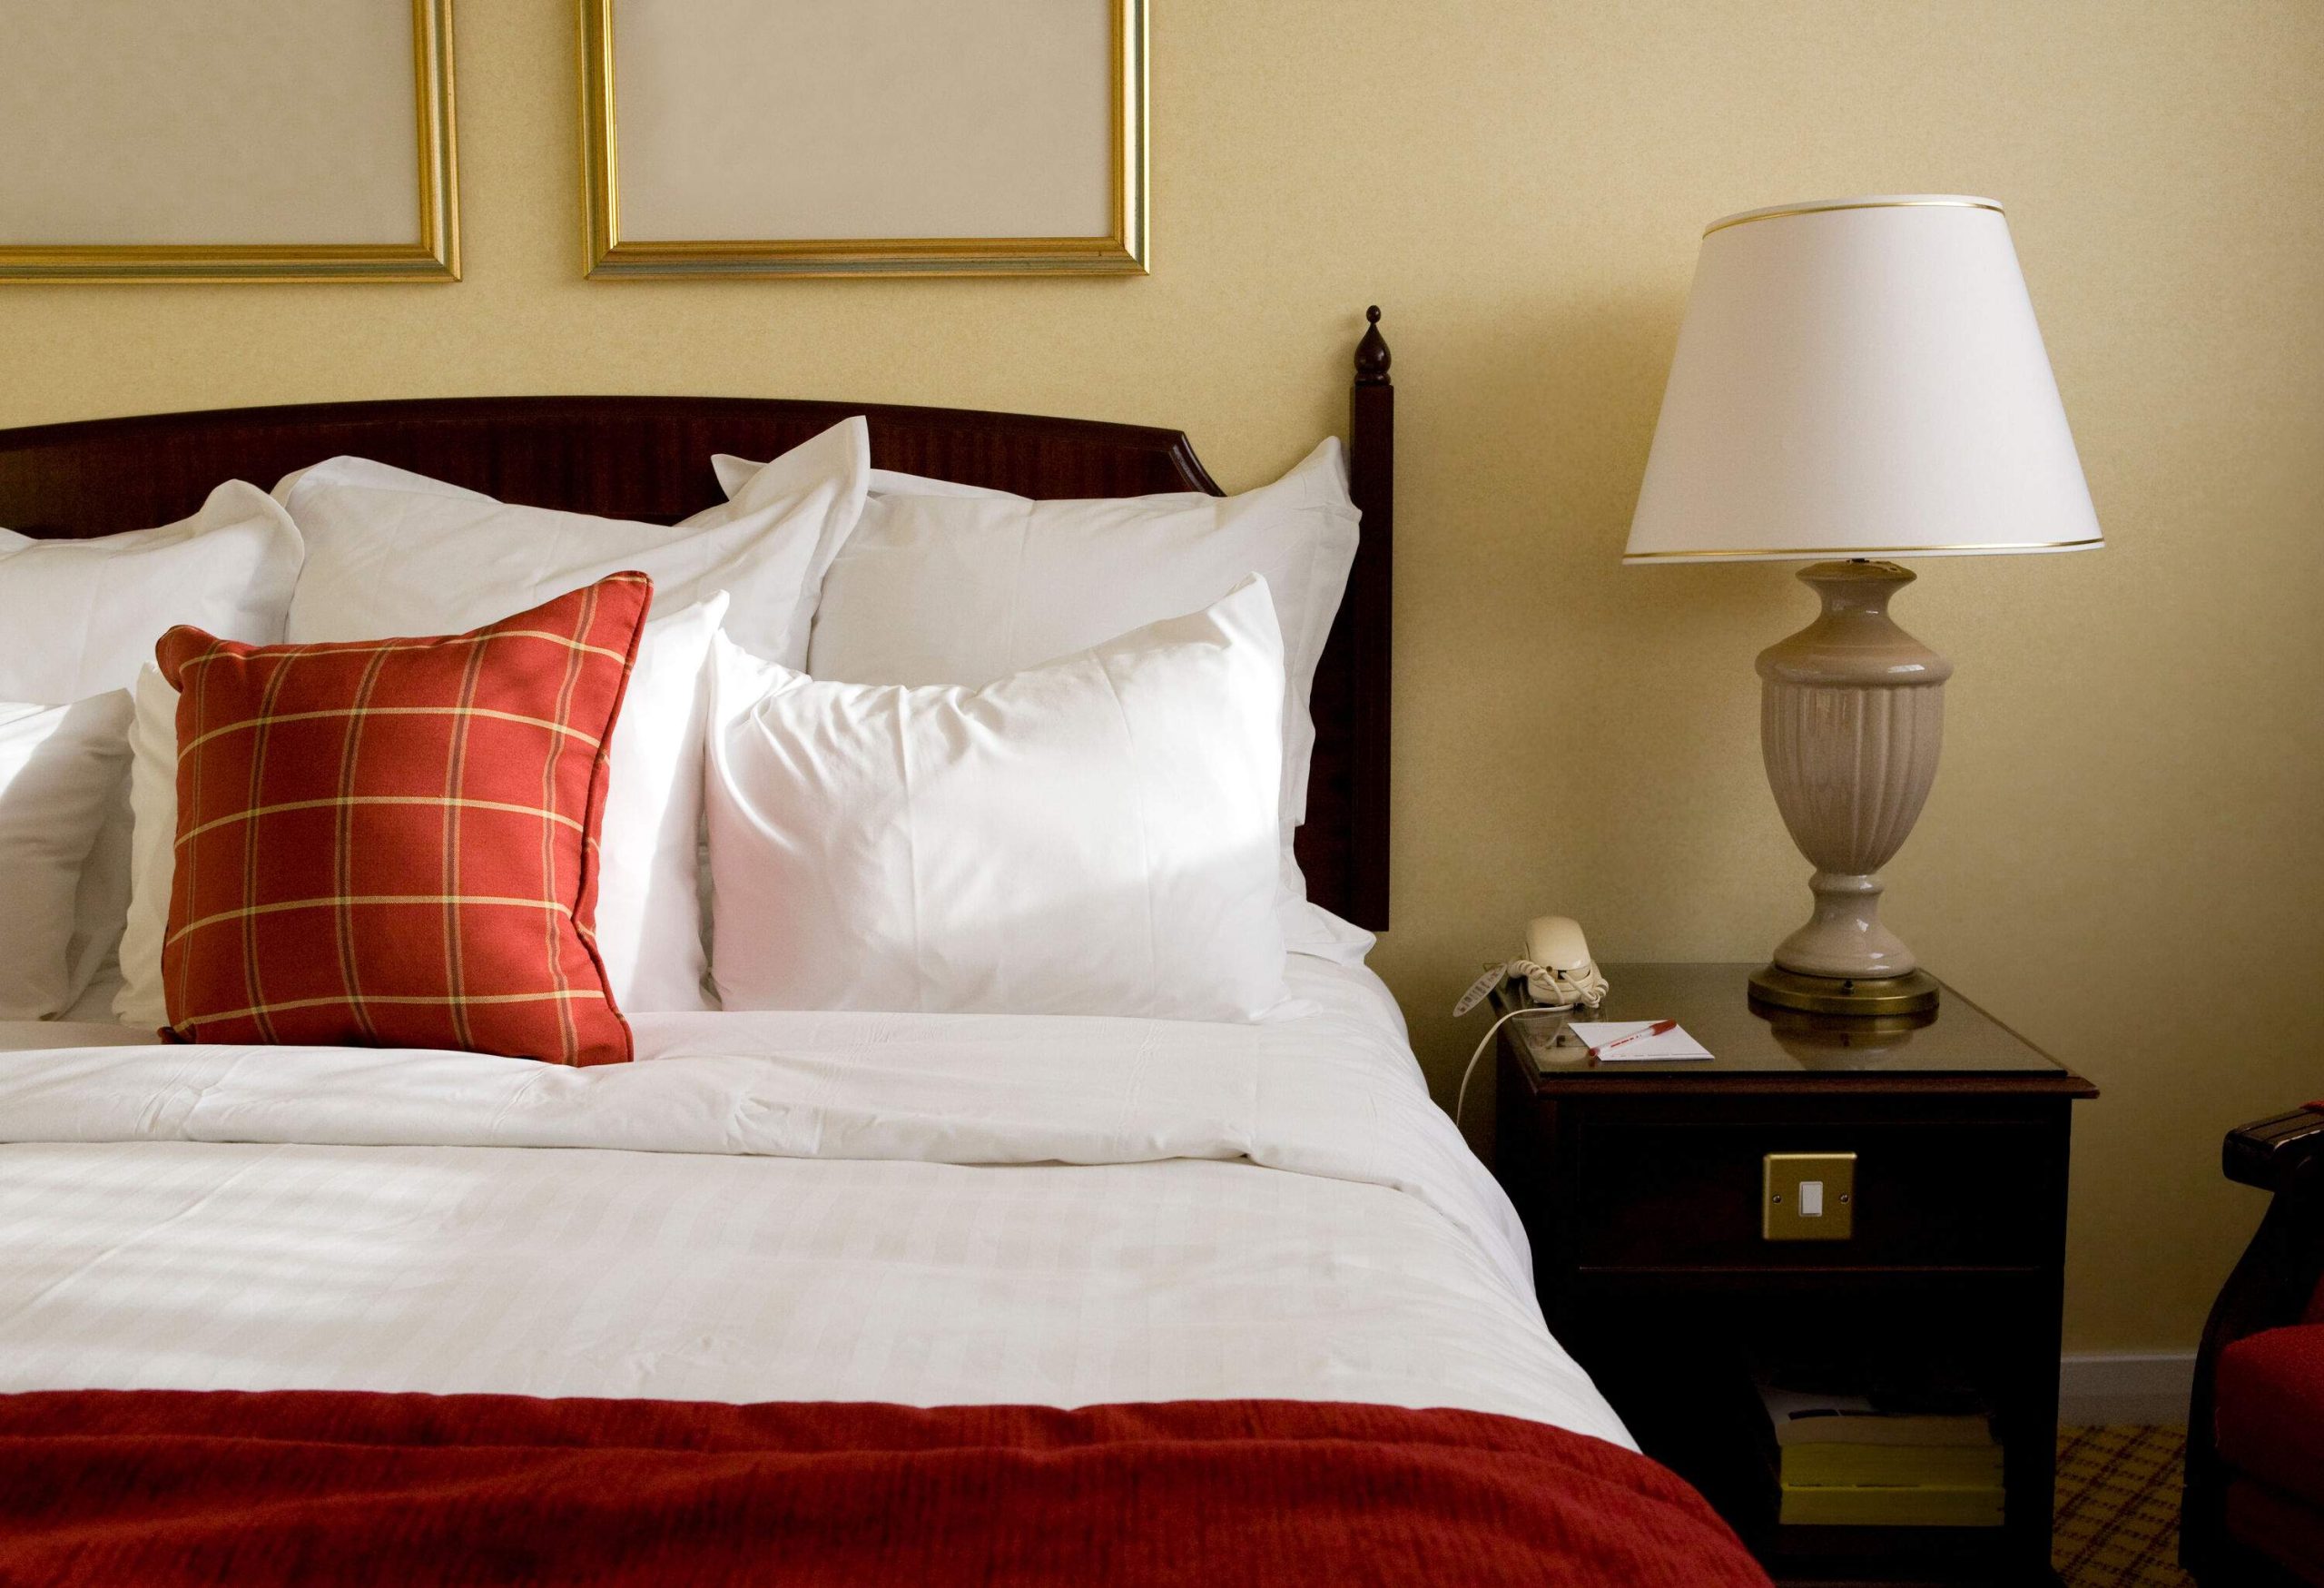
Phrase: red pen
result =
(1656, 1030)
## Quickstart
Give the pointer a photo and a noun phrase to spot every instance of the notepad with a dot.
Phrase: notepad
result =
(1669, 1045)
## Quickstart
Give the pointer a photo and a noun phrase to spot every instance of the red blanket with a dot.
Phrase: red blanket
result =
(152, 1487)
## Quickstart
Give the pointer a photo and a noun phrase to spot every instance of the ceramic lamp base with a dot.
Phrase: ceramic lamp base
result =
(1852, 713)
(1909, 993)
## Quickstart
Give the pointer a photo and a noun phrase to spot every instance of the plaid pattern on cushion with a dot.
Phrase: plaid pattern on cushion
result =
(394, 842)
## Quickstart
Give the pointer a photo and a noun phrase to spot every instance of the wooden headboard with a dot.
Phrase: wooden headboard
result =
(648, 457)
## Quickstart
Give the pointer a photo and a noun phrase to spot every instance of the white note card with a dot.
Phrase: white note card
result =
(1661, 1048)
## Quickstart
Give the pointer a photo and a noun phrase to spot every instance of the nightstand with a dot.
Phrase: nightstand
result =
(1645, 1188)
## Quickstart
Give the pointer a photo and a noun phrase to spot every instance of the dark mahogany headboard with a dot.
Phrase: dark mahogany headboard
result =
(649, 457)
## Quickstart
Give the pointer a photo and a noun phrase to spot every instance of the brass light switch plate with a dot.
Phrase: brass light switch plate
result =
(1808, 1196)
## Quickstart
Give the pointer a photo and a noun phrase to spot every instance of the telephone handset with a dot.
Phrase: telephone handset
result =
(1558, 972)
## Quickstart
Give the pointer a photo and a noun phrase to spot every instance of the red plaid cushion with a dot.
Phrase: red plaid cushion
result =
(394, 842)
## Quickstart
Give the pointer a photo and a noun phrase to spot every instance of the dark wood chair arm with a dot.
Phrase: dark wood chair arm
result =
(2268, 1153)
(2269, 1287)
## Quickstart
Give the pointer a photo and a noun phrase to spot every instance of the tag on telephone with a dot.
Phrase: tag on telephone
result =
(1479, 988)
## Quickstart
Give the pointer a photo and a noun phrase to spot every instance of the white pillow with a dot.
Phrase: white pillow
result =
(649, 908)
(734, 473)
(81, 616)
(1093, 836)
(649, 841)
(152, 846)
(951, 584)
(61, 769)
(101, 910)
(390, 552)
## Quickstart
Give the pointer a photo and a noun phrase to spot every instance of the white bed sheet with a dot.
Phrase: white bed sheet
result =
(914, 1208)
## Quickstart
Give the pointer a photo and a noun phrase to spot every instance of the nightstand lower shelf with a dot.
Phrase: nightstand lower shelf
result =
(1690, 1402)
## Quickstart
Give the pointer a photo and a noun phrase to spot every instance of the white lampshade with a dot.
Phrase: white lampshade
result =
(1860, 377)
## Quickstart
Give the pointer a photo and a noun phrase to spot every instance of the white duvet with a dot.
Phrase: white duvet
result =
(924, 1209)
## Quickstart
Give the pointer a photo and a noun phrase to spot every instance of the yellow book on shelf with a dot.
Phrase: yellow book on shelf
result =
(1891, 1505)
(1969, 1465)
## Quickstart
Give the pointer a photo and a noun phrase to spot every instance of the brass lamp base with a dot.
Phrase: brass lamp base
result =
(1909, 993)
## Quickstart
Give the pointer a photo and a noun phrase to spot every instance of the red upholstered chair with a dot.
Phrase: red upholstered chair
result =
(2254, 1513)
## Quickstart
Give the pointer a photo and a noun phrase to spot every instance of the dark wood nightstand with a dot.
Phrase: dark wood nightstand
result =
(1642, 1186)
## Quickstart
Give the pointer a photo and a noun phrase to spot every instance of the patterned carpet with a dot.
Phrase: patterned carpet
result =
(2118, 1507)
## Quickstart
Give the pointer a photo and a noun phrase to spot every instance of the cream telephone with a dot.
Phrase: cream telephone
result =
(1558, 974)
(1556, 969)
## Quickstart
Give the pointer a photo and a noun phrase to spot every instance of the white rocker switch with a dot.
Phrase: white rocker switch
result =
(1811, 1198)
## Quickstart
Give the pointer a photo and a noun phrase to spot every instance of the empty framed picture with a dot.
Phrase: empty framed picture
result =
(864, 137)
(229, 140)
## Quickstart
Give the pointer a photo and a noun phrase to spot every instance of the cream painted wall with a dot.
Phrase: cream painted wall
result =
(2124, 856)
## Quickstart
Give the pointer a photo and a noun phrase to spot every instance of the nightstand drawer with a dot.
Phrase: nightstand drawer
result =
(1665, 1194)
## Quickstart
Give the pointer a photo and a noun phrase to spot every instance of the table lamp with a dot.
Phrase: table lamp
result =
(1857, 380)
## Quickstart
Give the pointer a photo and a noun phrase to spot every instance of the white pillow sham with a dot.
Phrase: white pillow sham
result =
(944, 583)
(61, 770)
(649, 908)
(390, 552)
(101, 908)
(152, 846)
(1092, 836)
(81, 616)
(649, 841)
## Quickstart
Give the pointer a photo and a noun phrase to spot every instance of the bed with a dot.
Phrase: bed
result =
(819, 1296)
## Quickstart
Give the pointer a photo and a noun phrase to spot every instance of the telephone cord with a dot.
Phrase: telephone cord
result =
(1460, 1102)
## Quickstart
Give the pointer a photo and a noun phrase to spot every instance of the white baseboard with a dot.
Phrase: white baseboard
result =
(2099, 1389)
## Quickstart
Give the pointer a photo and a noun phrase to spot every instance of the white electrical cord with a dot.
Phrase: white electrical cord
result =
(1461, 1101)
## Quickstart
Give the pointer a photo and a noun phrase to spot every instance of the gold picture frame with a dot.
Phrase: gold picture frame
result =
(434, 257)
(1121, 251)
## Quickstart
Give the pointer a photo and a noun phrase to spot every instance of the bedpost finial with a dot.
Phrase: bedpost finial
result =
(1372, 353)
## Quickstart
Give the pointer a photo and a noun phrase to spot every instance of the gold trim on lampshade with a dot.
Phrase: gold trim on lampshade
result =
(1931, 201)
(1122, 252)
(436, 257)
(1801, 553)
